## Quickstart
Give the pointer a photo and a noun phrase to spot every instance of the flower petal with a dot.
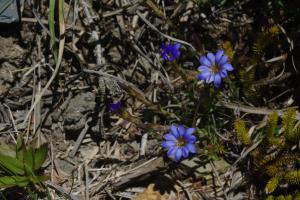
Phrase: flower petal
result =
(204, 61)
(217, 81)
(203, 75)
(170, 137)
(175, 54)
(219, 54)
(172, 151)
(223, 60)
(178, 154)
(115, 107)
(190, 131)
(210, 78)
(174, 130)
(177, 46)
(227, 66)
(191, 147)
(203, 68)
(165, 56)
(190, 139)
(223, 73)
(211, 57)
(168, 144)
(181, 130)
(185, 152)
(170, 51)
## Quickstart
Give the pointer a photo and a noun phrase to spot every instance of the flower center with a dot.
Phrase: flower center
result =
(170, 55)
(180, 142)
(215, 68)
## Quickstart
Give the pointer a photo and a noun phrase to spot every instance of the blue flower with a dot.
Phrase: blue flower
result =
(115, 107)
(170, 51)
(214, 67)
(179, 142)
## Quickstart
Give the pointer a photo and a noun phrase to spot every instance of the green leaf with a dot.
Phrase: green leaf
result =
(7, 150)
(20, 148)
(20, 142)
(11, 165)
(40, 156)
(38, 179)
(20, 154)
(28, 160)
(9, 181)
(280, 3)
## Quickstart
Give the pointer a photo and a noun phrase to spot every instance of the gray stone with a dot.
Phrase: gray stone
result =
(10, 10)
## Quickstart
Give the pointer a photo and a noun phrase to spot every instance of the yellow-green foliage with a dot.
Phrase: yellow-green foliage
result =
(281, 197)
(271, 170)
(242, 133)
(270, 198)
(227, 47)
(247, 78)
(275, 158)
(248, 65)
(272, 124)
(296, 135)
(272, 184)
(264, 39)
(288, 122)
(288, 197)
(275, 141)
(293, 177)
(219, 149)
(297, 196)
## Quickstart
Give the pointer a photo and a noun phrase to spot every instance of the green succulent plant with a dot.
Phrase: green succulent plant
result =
(20, 163)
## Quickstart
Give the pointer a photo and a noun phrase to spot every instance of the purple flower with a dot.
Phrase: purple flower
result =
(179, 142)
(115, 107)
(170, 51)
(214, 67)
